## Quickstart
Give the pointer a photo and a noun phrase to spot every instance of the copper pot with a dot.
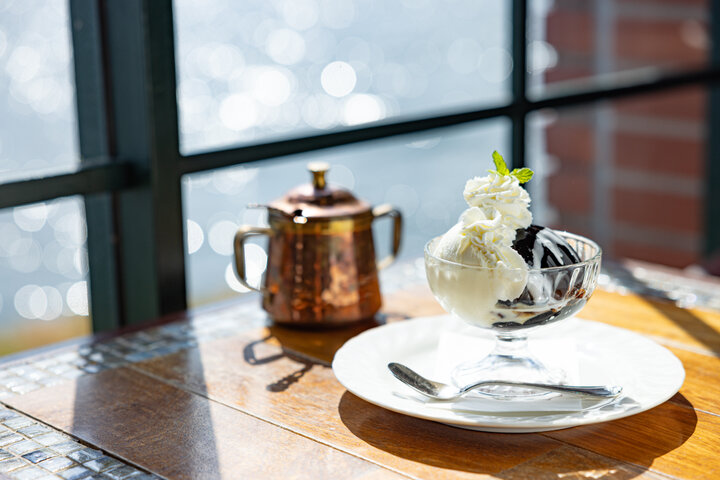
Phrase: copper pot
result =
(321, 258)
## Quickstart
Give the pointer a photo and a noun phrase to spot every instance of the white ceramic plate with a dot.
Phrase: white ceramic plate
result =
(649, 374)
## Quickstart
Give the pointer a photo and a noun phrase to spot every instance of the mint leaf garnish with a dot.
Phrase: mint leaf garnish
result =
(522, 174)
(500, 164)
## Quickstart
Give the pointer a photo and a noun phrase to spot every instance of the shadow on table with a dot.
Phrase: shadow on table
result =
(307, 347)
(693, 325)
(251, 357)
(319, 343)
(135, 417)
(635, 440)
(659, 300)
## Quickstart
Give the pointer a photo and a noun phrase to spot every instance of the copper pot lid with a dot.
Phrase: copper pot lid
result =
(318, 199)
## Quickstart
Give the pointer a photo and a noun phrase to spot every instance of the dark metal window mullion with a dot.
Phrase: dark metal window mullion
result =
(712, 164)
(94, 176)
(94, 140)
(125, 67)
(140, 47)
(519, 82)
(169, 237)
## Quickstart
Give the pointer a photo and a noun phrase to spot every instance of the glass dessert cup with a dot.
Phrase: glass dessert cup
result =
(475, 295)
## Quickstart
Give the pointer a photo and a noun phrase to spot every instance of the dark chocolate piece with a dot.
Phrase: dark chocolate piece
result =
(541, 247)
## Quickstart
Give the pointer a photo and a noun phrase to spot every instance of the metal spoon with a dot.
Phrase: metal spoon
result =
(442, 391)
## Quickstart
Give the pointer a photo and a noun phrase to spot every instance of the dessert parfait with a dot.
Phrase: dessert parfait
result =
(494, 269)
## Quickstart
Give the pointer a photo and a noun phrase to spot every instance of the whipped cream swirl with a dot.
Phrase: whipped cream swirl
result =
(504, 194)
(490, 237)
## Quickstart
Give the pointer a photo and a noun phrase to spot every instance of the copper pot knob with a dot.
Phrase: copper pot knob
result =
(318, 170)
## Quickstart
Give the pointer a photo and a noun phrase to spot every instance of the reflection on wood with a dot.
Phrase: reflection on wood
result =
(674, 439)
(666, 323)
(573, 462)
(179, 435)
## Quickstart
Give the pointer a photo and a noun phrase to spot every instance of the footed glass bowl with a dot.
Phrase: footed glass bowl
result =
(480, 297)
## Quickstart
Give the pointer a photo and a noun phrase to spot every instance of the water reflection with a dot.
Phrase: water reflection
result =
(269, 69)
(36, 92)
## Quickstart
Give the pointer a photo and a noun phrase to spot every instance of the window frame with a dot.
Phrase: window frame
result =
(131, 166)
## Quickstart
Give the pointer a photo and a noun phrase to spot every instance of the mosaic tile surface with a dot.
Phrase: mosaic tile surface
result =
(54, 368)
(685, 292)
(31, 450)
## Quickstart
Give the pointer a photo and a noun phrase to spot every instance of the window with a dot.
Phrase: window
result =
(144, 150)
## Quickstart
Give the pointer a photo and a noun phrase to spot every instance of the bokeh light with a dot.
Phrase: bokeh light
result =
(220, 236)
(77, 298)
(363, 108)
(541, 56)
(272, 86)
(36, 94)
(285, 46)
(31, 218)
(341, 176)
(34, 302)
(238, 111)
(26, 256)
(338, 79)
(232, 281)
(496, 64)
(195, 236)
(42, 248)
(300, 14)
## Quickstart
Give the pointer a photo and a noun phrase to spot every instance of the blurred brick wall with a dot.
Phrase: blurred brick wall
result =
(655, 145)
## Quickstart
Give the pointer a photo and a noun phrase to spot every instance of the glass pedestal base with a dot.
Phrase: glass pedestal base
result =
(509, 361)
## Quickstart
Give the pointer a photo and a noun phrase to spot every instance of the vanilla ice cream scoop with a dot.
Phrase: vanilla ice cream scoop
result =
(476, 266)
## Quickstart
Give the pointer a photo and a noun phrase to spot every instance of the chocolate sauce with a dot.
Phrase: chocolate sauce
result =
(541, 247)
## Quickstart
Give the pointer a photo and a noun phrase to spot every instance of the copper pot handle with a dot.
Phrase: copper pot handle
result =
(387, 210)
(242, 234)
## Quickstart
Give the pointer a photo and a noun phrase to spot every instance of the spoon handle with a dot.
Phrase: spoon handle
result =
(595, 390)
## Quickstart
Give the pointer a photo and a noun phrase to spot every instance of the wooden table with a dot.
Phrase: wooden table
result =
(252, 401)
